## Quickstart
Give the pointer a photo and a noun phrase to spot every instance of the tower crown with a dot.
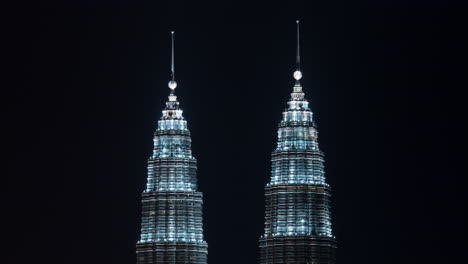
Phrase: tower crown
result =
(298, 111)
(172, 117)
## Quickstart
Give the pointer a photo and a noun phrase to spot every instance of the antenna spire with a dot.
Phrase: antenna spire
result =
(172, 83)
(298, 73)
(298, 53)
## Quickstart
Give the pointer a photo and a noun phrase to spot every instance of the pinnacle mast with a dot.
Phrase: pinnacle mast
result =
(172, 57)
(298, 54)
(172, 83)
(298, 74)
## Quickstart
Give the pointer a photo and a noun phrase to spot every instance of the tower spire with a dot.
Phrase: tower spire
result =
(298, 73)
(298, 53)
(172, 83)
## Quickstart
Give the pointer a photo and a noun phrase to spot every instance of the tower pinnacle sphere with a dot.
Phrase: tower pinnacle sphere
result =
(297, 75)
(172, 85)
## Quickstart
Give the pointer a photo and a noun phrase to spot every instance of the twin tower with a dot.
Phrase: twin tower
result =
(297, 216)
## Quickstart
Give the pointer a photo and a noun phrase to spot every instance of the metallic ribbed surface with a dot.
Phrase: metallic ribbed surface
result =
(297, 217)
(172, 228)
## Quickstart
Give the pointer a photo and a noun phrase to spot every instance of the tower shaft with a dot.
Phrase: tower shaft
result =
(297, 214)
(171, 226)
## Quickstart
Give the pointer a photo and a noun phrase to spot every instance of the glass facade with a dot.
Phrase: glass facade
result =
(171, 226)
(297, 218)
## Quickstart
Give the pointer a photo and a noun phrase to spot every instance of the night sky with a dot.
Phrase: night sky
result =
(89, 81)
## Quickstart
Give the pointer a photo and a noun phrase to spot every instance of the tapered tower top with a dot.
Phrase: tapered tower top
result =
(298, 74)
(172, 83)
(297, 100)
(172, 110)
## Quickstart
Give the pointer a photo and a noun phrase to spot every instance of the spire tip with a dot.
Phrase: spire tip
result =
(172, 83)
(297, 74)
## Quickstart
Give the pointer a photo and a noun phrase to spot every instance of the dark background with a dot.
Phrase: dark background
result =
(88, 81)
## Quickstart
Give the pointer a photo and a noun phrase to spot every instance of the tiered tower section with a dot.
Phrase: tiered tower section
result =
(172, 229)
(297, 220)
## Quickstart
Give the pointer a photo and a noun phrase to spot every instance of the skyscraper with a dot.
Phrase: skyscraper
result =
(297, 218)
(172, 228)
